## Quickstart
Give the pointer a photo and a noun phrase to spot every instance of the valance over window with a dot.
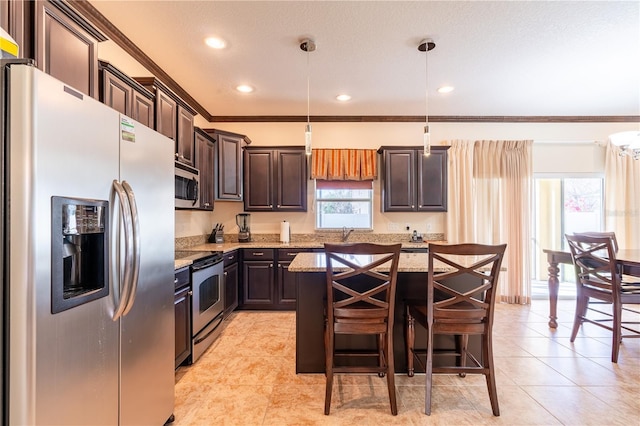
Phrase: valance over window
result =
(344, 164)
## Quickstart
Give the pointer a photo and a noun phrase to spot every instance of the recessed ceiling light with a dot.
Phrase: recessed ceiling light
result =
(244, 88)
(445, 89)
(343, 98)
(215, 42)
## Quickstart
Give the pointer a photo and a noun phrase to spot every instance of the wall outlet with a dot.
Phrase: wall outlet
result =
(407, 227)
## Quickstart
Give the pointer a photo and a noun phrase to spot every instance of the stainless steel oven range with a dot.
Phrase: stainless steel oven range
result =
(207, 283)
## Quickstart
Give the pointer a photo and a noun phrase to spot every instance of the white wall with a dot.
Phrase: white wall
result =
(570, 154)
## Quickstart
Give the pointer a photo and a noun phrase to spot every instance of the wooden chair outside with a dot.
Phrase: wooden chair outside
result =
(598, 277)
(461, 313)
(361, 300)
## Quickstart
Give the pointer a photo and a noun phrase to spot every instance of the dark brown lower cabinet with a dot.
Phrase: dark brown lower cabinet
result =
(231, 281)
(258, 278)
(267, 282)
(182, 307)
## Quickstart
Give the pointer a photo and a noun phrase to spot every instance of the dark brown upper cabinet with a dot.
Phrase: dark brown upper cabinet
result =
(12, 19)
(229, 164)
(413, 182)
(125, 95)
(174, 118)
(205, 160)
(275, 179)
(66, 46)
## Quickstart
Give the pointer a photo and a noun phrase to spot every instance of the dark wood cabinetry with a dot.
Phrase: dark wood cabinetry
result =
(231, 281)
(182, 307)
(204, 161)
(229, 164)
(174, 118)
(12, 19)
(66, 46)
(285, 280)
(275, 179)
(125, 95)
(267, 282)
(258, 278)
(414, 182)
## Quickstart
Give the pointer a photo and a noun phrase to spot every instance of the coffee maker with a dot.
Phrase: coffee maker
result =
(243, 221)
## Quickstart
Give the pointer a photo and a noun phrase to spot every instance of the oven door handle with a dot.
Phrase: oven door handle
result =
(204, 265)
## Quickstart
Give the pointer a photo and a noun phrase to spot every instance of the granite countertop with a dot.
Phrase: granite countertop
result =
(409, 262)
(227, 247)
(181, 263)
(316, 262)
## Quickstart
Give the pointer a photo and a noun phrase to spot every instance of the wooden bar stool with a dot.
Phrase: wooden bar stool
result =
(361, 300)
(450, 310)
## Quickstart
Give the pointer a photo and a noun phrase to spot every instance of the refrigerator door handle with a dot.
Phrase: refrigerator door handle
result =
(136, 246)
(125, 284)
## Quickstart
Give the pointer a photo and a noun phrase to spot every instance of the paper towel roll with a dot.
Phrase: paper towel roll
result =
(284, 232)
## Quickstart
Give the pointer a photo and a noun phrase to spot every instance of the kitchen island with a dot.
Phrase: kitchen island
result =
(310, 269)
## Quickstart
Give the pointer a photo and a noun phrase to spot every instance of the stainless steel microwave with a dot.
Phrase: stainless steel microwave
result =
(187, 186)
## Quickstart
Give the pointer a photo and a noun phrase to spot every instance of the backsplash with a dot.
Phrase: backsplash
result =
(321, 237)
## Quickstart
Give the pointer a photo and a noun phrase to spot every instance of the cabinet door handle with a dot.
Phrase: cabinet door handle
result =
(271, 265)
(226, 273)
(231, 257)
(420, 206)
(190, 293)
(413, 206)
(175, 281)
(258, 253)
(270, 206)
(278, 206)
(279, 265)
(291, 254)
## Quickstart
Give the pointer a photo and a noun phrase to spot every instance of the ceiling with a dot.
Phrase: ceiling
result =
(504, 58)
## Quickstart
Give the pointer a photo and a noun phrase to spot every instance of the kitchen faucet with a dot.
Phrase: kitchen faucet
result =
(345, 233)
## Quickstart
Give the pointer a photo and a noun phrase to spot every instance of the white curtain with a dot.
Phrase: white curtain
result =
(460, 199)
(490, 203)
(622, 197)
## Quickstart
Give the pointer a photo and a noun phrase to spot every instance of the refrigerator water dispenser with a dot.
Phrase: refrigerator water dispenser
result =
(79, 250)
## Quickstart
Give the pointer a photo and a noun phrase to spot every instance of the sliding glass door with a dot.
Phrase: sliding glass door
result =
(562, 205)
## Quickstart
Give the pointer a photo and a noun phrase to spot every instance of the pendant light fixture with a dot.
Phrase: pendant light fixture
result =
(425, 46)
(308, 46)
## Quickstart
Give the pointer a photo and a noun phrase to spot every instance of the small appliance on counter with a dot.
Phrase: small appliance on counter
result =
(243, 221)
(415, 237)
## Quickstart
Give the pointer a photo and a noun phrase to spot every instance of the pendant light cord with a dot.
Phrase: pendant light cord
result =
(308, 78)
(426, 80)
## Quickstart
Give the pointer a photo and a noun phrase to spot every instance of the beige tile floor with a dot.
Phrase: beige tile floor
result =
(248, 378)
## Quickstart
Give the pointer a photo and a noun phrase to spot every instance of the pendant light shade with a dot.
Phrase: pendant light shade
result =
(425, 46)
(308, 46)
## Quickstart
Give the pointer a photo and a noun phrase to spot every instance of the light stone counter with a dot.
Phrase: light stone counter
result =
(316, 262)
(181, 263)
(409, 262)
(227, 247)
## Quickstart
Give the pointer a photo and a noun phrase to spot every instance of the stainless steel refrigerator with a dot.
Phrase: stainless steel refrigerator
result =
(87, 262)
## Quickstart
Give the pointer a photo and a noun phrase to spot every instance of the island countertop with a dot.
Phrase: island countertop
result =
(316, 262)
